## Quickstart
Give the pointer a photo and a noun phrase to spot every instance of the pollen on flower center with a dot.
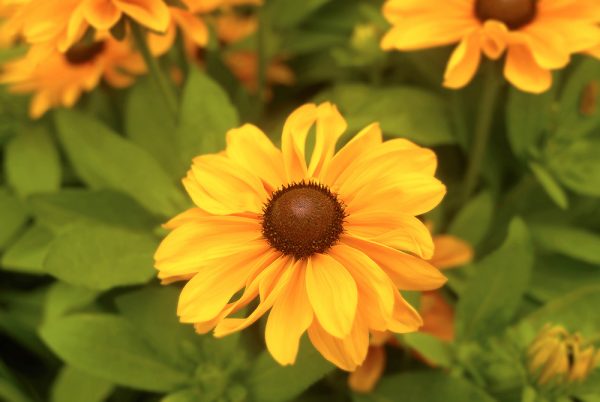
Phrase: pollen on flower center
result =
(513, 13)
(302, 219)
(83, 53)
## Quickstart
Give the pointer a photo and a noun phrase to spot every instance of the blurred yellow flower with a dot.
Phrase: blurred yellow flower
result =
(557, 356)
(62, 23)
(324, 246)
(62, 78)
(437, 314)
(537, 35)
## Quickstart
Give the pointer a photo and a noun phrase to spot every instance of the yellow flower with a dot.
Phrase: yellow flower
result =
(64, 22)
(323, 245)
(537, 35)
(557, 356)
(437, 314)
(62, 78)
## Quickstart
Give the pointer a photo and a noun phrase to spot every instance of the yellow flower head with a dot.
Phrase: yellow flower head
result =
(537, 35)
(324, 245)
(557, 356)
(62, 78)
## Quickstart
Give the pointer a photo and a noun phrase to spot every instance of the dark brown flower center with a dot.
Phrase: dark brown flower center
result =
(302, 219)
(81, 53)
(513, 13)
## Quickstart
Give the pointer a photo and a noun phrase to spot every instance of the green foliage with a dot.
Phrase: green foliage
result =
(109, 347)
(494, 292)
(75, 385)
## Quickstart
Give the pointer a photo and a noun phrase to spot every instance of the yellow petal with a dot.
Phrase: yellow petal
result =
(290, 316)
(330, 126)
(293, 141)
(367, 138)
(365, 377)
(189, 215)
(522, 71)
(347, 353)
(253, 150)
(450, 252)
(152, 13)
(207, 293)
(221, 186)
(332, 293)
(406, 271)
(463, 63)
(400, 231)
(101, 14)
(404, 318)
(192, 25)
(375, 289)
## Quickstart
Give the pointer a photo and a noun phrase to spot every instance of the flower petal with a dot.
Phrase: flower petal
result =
(101, 14)
(463, 63)
(332, 293)
(152, 13)
(293, 141)
(290, 316)
(405, 318)
(522, 70)
(365, 377)
(450, 252)
(330, 126)
(406, 271)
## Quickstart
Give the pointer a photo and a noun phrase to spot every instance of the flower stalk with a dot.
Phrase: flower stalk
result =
(165, 88)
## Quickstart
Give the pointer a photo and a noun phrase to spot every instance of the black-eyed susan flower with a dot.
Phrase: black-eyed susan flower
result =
(63, 77)
(62, 23)
(537, 36)
(558, 357)
(437, 314)
(325, 246)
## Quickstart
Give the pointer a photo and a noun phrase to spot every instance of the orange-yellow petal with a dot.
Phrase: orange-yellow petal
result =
(152, 13)
(463, 63)
(522, 70)
(450, 252)
(332, 293)
(365, 377)
(101, 14)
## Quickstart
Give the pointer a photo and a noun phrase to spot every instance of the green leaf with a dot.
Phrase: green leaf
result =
(206, 115)
(104, 159)
(292, 14)
(431, 348)
(76, 385)
(577, 311)
(10, 390)
(59, 210)
(473, 221)
(12, 215)
(493, 294)
(153, 311)
(555, 275)
(63, 299)
(527, 116)
(32, 162)
(27, 253)
(150, 125)
(402, 111)
(576, 243)
(101, 257)
(270, 382)
(108, 347)
(425, 386)
(553, 189)
(576, 166)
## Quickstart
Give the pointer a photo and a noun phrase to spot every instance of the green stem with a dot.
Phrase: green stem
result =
(166, 89)
(483, 128)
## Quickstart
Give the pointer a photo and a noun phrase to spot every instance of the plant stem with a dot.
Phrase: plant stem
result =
(261, 55)
(166, 89)
(483, 128)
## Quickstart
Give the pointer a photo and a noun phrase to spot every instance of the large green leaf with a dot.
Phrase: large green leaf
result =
(75, 385)
(150, 125)
(101, 257)
(570, 241)
(59, 210)
(473, 221)
(431, 348)
(549, 183)
(206, 115)
(527, 116)
(12, 215)
(63, 299)
(104, 159)
(406, 112)
(424, 386)
(28, 252)
(109, 347)
(10, 389)
(270, 382)
(32, 162)
(576, 165)
(493, 294)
